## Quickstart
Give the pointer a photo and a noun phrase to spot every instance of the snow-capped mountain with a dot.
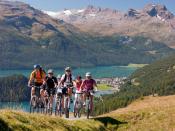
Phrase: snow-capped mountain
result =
(152, 21)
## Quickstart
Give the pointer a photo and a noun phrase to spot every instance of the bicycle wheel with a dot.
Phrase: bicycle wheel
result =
(66, 108)
(45, 106)
(79, 110)
(75, 109)
(88, 110)
(58, 108)
(32, 104)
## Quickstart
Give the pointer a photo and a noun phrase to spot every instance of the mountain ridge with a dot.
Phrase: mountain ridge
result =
(106, 22)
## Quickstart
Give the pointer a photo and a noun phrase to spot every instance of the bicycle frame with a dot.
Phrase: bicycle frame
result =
(78, 105)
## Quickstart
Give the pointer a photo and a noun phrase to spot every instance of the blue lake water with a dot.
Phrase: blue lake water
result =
(97, 72)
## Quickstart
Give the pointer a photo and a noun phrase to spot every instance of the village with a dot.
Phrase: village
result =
(115, 82)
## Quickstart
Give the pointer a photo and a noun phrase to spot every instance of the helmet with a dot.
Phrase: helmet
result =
(67, 69)
(88, 74)
(50, 71)
(36, 66)
(58, 76)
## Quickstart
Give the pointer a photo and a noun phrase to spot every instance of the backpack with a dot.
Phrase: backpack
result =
(41, 74)
(65, 78)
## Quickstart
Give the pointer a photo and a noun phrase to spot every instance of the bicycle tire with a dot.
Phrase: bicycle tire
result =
(66, 109)
(75, 109)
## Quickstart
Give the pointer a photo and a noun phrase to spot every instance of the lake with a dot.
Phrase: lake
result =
(25, 106)
(97, 72)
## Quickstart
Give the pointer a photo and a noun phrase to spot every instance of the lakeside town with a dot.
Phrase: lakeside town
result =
(115, 82)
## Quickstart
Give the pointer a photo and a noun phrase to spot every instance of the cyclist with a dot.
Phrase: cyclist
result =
(87, 87)
(58, 78)
(36, 79)
(67, 83)
(50, 85)
(77, 84)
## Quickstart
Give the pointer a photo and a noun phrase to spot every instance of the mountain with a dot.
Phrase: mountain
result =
(153, 21)
(29, 36)
(149, 113)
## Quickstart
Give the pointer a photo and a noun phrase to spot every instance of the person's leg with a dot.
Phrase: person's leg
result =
(42, 93)
(32, 91)
(91, 99)
(84, 98)
(51, 100)
(70, 94)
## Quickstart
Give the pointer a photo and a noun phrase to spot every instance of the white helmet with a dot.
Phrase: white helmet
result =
(67, 69)
(50, 71)
(88, 74)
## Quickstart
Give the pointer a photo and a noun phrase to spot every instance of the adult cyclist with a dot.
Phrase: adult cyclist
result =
(36, 79)
(50, 85)
(67, 82)
(88, 87)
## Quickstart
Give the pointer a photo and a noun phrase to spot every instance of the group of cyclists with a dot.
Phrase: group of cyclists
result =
(50, 85)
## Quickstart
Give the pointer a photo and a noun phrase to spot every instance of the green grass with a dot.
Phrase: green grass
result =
(104, 87)
(149, 113)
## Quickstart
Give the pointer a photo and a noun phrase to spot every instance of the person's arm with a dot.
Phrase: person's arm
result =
(56, 82)
(44, 78)
(61, 83)
(82, 85)
(31, 78)
(74, 84)
(95, 85)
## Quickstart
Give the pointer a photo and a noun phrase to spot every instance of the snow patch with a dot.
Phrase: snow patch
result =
(67, 12)
(80, 11)
(93, 15)
(52, 14)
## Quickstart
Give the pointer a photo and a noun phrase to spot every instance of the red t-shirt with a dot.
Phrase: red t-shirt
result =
(78, 84)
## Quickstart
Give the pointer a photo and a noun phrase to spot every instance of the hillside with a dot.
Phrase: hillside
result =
(29, 36)
(14, 88)
(157, 78)
(150, 113)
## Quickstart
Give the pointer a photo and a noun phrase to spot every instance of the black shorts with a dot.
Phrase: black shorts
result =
(50, 91)
(37, 87)
(64, 91)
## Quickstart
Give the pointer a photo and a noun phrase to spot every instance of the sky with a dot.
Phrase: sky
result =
(123, 5)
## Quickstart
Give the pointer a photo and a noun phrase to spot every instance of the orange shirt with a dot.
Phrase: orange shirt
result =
(37, 76)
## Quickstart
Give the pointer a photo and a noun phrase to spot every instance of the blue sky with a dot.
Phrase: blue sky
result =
(123, 5)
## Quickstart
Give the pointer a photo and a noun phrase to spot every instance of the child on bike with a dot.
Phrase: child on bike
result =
(77, 84)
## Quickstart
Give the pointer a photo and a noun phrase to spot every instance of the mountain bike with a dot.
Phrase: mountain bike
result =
(48, 103)
(78, 105)
(36, 103)
(88, 104)
(67, 100)
(58, 107)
